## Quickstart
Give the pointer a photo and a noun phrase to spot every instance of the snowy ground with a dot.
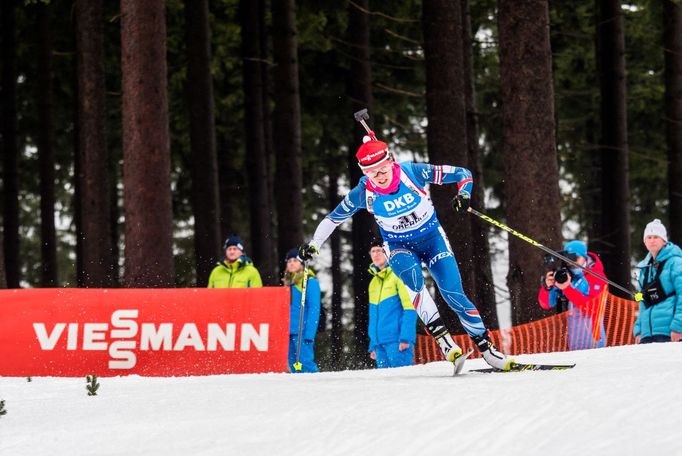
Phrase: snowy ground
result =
(620, 401)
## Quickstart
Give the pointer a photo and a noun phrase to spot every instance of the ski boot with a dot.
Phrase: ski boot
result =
(492, 355)
(451, 351)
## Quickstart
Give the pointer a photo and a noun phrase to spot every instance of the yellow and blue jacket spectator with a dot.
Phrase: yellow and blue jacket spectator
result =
(392, 318)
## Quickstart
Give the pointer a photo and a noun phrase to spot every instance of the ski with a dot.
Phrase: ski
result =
(459, 362)
(520, 367)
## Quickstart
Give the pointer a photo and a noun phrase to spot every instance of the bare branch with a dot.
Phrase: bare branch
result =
(399, 91)
(380, 14)
(402, 37)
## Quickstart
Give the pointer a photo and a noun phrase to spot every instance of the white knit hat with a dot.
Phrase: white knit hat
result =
(656, 228)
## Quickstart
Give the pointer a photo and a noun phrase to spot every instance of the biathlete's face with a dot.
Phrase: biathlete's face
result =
(654, 244)
(233, 253)
(378, 256)
(380, 175)
(294, 266)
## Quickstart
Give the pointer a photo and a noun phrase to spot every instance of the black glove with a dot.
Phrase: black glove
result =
(461, 202)
(307, 251)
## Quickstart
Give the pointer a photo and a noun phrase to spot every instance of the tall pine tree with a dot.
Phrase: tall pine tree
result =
(146, 154)
(530, 158)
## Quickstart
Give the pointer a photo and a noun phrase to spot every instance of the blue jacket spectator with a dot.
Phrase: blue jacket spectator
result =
(392, 318)
(311, 313)
(660, 281)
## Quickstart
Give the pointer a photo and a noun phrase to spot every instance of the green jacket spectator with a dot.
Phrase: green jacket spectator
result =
(236, 270)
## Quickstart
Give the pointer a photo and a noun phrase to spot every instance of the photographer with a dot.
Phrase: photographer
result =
(583, 294)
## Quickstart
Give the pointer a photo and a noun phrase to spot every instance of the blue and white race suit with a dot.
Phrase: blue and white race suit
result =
(413, 235)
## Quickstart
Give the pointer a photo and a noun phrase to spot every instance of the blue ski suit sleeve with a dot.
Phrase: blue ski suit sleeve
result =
(426, 173)
(351, 203)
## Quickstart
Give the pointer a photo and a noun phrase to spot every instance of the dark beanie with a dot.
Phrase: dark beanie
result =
(292, 253)
(235, 241)
(376, 242)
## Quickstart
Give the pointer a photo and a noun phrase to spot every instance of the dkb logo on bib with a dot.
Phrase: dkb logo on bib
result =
(401, 201)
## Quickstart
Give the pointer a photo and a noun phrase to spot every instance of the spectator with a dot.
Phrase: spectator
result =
(660, 282)
(584, 294)
(392, 318)
(293, 278)
(236, 270)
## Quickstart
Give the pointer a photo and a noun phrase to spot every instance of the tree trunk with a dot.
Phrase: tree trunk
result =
(360, 94)
(10, 153)
(266, 93)
(228, 186)
(530, 157)
(3, 280)
(336, 337)
(77, 206)
(204, 165)
(146, 154)
(672, 47)
(446, 114)
(287, 127)
(447, 129)
(256, 152)
(98, 261)
(614, 228)
(484, 288)
(46, 160)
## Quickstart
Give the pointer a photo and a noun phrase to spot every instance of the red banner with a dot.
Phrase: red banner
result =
(70, 332)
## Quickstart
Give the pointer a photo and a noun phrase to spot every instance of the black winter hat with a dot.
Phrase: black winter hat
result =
(234, 241)
(292, 253)
(376, 242)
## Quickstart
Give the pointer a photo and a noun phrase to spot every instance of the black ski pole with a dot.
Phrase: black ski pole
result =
(636, 296)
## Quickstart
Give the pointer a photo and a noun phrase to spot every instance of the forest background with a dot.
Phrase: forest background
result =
(137, 135)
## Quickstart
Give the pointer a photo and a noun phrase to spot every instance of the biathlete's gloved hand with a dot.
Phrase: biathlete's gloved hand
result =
(307, 251)
(461, 202)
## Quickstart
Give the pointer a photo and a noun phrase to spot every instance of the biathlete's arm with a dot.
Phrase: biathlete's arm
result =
(426, 173)
(351, 203)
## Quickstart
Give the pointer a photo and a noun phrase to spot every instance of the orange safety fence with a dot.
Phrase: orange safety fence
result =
(542, 336)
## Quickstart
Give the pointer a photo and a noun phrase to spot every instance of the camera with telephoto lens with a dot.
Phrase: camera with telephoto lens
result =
(559, 267)
(561, 275)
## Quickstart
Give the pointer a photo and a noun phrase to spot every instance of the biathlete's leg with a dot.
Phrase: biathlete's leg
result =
(440, 260)
(407, 266)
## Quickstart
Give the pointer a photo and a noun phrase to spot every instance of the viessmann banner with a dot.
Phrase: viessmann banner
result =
(149, 332)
